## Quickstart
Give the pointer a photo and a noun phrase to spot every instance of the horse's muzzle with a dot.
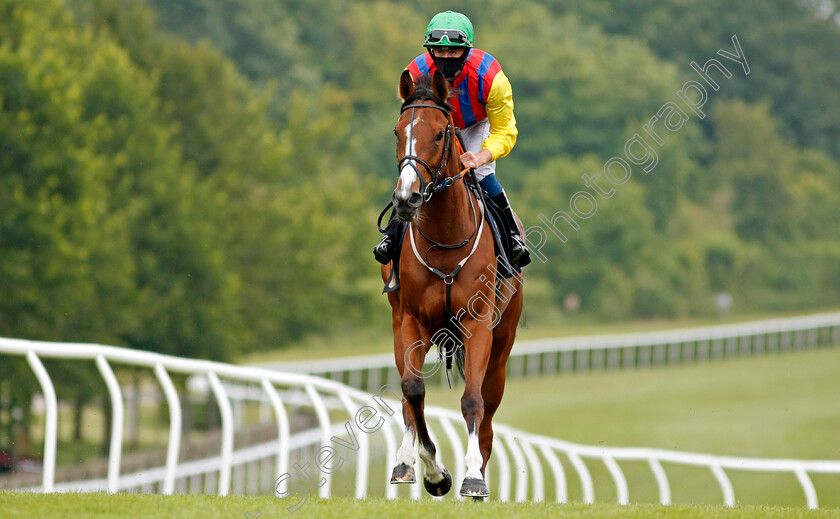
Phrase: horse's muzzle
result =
(407, 207)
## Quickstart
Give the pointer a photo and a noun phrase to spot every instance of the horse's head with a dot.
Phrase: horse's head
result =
(424, 141)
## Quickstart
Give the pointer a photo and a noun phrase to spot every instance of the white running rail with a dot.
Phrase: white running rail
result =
(607, 352)
(524, 466)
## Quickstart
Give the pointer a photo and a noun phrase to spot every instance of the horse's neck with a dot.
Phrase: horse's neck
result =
(448, 216)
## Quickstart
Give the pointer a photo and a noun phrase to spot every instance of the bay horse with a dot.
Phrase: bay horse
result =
(449, 291)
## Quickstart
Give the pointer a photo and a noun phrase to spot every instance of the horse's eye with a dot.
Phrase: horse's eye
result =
(439, 136)
(395, 130)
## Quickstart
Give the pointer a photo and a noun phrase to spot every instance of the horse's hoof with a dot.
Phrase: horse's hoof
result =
(403, 473)
(442, 487)
(475, 488)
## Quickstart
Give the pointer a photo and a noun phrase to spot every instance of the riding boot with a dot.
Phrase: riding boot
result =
(387, 248)
(518, 250)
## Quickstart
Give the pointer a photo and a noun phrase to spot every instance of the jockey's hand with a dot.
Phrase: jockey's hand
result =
(475, 160)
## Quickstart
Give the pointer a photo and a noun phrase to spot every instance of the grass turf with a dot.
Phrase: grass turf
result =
(778, 406)
(775, 406)
(127, 506)
(782, 405)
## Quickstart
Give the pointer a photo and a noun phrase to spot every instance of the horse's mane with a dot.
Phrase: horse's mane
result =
(423, 91)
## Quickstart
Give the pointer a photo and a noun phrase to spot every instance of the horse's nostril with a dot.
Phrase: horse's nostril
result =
(415, 200)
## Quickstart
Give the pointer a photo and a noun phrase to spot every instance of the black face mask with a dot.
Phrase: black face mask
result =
(450, 67)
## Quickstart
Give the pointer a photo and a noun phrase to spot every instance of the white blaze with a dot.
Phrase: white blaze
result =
(408, 174)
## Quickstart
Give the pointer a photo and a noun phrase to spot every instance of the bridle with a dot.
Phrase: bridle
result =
(437, 183)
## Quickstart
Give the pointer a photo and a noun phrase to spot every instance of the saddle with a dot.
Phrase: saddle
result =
(501, 231)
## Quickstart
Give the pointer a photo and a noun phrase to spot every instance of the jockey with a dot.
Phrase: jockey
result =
(483, 110)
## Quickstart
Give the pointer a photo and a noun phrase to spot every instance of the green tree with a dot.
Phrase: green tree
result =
(791, 51)
(66, 270)
(759, 168)
(615, 241)
(265, 165)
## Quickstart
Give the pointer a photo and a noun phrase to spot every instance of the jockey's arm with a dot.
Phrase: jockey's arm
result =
(499, 110)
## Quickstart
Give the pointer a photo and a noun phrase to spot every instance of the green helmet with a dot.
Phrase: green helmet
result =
(449, 29)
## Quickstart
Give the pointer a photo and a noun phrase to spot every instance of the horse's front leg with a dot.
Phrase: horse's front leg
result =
(504, 333)
(478, 348)
(437, 479)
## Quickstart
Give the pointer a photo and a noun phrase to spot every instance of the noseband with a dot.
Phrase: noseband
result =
(437, 184)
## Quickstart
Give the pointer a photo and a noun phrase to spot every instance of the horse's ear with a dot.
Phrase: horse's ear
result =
(406, 85)
(439, 86)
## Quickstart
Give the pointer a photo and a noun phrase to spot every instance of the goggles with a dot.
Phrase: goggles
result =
(454, 36)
